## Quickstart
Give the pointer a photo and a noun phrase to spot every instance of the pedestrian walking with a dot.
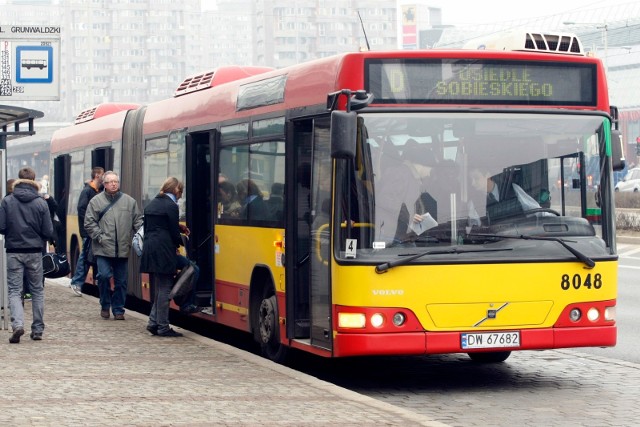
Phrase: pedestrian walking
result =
(26, 224)
(91, 188)
(111, 219)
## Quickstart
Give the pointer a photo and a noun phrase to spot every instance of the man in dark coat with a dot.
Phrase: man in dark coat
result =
(161, 241)
(26, 225)
(91, 188)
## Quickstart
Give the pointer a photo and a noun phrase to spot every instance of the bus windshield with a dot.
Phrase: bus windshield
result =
(450, 179)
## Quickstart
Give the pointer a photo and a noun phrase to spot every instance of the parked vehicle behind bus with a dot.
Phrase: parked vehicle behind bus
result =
(630, 182)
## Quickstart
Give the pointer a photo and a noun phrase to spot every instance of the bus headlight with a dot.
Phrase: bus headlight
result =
(610, 314)
(351, 320)
(575, 314)
(377, 320)
(593, 314)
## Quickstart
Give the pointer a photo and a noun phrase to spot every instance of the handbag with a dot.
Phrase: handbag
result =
(89, 257)
(55, 265)
(183, 284)
(138, 241)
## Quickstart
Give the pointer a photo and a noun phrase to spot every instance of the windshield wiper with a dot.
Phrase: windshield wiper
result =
(588, 262)
(386, 266)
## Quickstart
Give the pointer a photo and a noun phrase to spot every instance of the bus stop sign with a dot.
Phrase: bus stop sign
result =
(29, 63)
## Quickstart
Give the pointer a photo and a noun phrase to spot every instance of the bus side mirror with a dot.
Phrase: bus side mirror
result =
(617, 153)
(343, 134)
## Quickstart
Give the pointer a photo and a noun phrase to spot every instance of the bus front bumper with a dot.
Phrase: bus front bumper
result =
(420, 343)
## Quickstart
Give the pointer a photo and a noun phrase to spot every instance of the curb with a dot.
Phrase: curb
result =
(634, 240)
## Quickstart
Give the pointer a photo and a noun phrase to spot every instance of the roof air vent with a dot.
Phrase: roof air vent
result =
(102, 110)
(217, 77)
(563, 43)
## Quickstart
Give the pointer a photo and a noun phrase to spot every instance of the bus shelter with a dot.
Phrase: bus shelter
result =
(15, 122)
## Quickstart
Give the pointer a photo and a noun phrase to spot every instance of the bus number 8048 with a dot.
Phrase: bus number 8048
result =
(567, 282)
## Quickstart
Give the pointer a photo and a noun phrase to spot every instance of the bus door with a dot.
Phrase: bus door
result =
(308, 290)
(132, 148)
(199, 206)
(321, 301)
(102, 157)
(61, 176)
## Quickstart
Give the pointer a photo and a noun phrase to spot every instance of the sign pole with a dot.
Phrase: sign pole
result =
(4, 295)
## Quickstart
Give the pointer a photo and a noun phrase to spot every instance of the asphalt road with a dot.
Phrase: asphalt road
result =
(628, 315)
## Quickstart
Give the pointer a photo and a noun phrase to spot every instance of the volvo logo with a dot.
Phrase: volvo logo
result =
(380, 292)
(492, 313)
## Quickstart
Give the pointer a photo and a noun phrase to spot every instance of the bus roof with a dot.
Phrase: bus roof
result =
(304, 86)
(101, 130)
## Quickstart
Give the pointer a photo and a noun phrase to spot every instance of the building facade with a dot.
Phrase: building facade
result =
(141, 50)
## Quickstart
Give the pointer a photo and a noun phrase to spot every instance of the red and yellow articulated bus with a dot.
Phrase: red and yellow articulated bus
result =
(386, 203)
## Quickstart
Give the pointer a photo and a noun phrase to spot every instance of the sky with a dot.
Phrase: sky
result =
(460, 12)
(477, 12)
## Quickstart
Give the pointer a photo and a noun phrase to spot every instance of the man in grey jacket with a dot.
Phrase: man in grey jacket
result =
(111, 219)
(26, 225)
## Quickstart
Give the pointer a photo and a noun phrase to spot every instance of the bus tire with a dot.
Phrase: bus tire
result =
(490, 357)
(269, 330)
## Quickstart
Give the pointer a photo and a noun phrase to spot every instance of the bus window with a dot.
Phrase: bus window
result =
(163, 157)
(257, 172)
(155, 172)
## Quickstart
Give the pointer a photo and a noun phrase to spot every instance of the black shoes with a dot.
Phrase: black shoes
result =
(18, 332)
(119, 316)
(15, 336)
(170, 333)
(104, 314)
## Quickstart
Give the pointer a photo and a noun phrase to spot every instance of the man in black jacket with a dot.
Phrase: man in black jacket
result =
(26, 225)
(91, 188)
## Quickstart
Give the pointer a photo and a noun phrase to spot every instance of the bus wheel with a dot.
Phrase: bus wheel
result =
(269, 331)
(491, 357)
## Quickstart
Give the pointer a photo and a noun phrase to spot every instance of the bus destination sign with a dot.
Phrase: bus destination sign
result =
(453, 81)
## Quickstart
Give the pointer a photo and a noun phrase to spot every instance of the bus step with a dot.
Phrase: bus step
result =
(303, 328)
(303, 323)
(203, 299)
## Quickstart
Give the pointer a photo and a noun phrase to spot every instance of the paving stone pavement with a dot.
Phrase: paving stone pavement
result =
(93, 372)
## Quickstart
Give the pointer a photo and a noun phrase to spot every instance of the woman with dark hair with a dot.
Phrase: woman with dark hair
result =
(229, 205)
(252, 201)
(161, 240)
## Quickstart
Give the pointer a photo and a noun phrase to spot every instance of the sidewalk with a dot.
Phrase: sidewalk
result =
(92, 372)
(627, 236)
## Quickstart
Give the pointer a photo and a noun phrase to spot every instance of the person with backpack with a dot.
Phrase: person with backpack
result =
(26, 224)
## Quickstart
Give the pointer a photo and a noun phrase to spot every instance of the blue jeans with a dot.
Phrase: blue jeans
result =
(81, 266)
(181, 262)
(161, 287)
(117, 268)
(27, 267)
